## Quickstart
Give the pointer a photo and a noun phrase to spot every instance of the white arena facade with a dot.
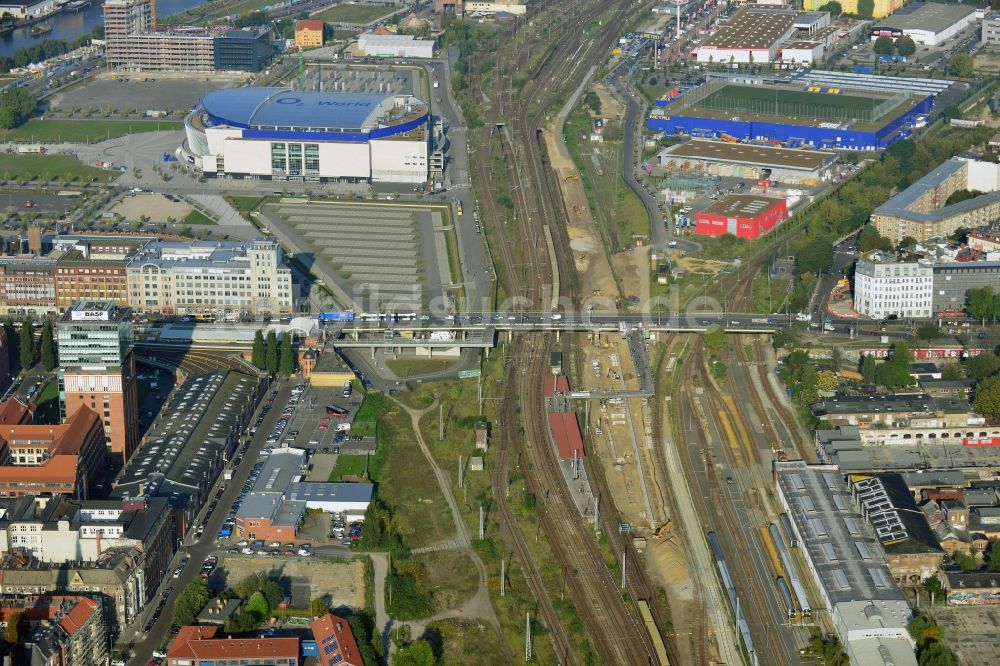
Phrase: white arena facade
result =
(280, 134)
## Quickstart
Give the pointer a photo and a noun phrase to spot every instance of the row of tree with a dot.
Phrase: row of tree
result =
(904, 46)
(268, 356)
(28, 350)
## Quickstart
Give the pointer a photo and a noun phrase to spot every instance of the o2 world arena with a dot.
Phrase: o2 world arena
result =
(279, 134)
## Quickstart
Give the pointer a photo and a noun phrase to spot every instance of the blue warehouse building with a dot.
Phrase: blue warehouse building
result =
(793, 135)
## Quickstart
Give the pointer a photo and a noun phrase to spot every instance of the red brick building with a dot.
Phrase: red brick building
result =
(199, 645)
(742, 215)
(61, 630)
(52, 459)
(335, 641)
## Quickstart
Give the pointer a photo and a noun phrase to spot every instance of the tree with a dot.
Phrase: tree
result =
(933, 586)
(869, 240)
(907, 242)
(987, 400)
(257, 606)
(994, 563)
(937, 654)
(961, 65)
(965, 561)
(593, 101)
(11, 333)
(286, 363)
(826, 380)
(883, 45)
(17, 626)
(257, 356)
(318, 607)
(869, 369)
(982, 366)
(924, 631)
(951, 370)
(929, 332)
(833, 7)
(417, 653)
(980, 303)
(190, 602)
(271, 353)
(961, 195)
(815, 257)
(27, 343)
(905, 46)
(866, 8)
(895, 372)
(49, 361)
(714, 338)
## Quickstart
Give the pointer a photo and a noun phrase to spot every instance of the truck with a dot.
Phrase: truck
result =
(228, 474)
(436, 84)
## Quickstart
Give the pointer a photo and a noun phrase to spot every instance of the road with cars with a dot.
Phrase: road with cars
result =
(151, 631)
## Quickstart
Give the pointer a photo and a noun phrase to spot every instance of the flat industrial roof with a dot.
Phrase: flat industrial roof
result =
(929, 16)
(899, 524)
(836, 537)
(746, 153)
(888, 404)
(308, 491)
(742, 205)
(752, 29)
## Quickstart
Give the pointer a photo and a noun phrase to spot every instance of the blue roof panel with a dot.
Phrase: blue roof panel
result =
(279, 107)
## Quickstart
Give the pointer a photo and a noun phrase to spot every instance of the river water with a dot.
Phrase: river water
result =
(69, 24)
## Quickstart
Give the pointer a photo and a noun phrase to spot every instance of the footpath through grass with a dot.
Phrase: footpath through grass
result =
(52, 168)
(461, 412)
(70, 130)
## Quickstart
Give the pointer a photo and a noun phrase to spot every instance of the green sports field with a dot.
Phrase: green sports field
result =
(797, 106)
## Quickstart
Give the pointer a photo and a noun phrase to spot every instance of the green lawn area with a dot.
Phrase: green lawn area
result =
(83, 131)
(361, 14)
(365, 423)
(347, 466)
(405, 480)
(781, 101)
(52, 167)
(47, 401)
(410, 367)
(245, 205)
(196, 217)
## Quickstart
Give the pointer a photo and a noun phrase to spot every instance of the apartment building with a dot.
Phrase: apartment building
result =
(58, 530)
(97, 370)
(46, 460)
(921, 211)
(211, 277)
(121, 19)
(134, 44)
(115, 581)
(65, 630)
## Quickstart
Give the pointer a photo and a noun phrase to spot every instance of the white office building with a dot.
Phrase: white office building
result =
(211, 277)
(884, 287)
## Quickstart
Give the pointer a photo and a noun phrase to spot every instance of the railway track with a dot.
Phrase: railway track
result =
(747, 559)
(513, 536)
(515, 130)
(622, 637)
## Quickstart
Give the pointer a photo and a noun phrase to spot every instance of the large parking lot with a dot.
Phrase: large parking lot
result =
(143, 93)
(393, 256)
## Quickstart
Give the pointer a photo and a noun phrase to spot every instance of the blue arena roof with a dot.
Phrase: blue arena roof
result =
(280, 107)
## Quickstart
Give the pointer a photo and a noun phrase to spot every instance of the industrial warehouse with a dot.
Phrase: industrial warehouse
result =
(275, 133)
(751, 161)
(742, 215)
(817, 116)
(929, 23)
